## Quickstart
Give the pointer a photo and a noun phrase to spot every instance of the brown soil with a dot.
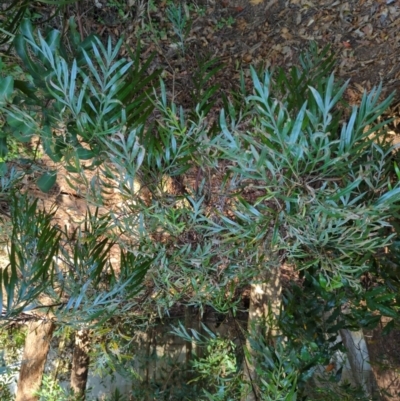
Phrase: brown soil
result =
(364, 35)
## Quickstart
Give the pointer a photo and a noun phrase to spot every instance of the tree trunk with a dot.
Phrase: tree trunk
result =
(37, 344)
(359, 361)
(80, 363)
(384, 353)
(265, 303)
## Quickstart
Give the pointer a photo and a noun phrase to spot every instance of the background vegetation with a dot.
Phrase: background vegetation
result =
(186, 213)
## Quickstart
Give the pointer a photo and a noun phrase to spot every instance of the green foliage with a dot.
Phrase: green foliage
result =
(328, 390)
(225, 22)
(277, 371)
(14, 13)
(73, 100)
(291, 174)
(219, 362)
(33, 244)
(51, 390)
(12, 340)
(91, 286)
(203, 92)
(311, 331)
(334, 213)
(317, 204)
(38, 252)
(323, 178)
(217, 372)
(295, 87)
(47, 181)
(181, 24)
(385, 271)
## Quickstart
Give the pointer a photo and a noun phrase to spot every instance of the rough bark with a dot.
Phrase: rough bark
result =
(265, 302)
(189, 345)
(80, 363)
(384, 353)
(37, 344)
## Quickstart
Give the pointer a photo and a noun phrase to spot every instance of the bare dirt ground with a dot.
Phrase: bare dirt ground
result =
(363, 34)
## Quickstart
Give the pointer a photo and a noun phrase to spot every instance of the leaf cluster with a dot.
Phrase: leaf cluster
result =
(14, 12)
(68, 273)
(72, 100)
(324, 176)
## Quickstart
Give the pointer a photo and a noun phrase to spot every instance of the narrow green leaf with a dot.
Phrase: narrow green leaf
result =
(47, 181)
(84, 154)
(338, 94)
(3, 169)
(387, 311)
(298, 124)
(6, 89)
(3, 148)
(389, 197)
(33, 69)
(346, 191)
(26, 29)
(318, 99)
(53, 40)
(23, 126)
